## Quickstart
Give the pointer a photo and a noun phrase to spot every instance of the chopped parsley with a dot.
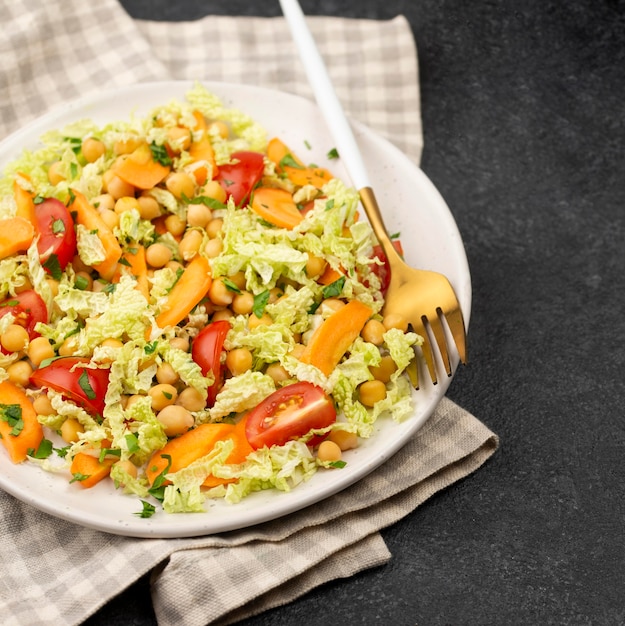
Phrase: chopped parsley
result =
(12, 415)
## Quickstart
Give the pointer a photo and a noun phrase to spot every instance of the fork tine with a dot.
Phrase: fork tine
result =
(455, 321)
(436, 324)
(426, 348)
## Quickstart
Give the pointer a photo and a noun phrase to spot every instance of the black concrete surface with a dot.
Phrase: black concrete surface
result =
(523, 108)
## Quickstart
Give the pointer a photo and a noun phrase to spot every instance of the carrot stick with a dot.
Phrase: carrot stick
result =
(24, 201)
(187, 448)
(140, 170)
(88, 216)
(16, 234)
(16, 411)
(135, 261)
(332, 339)
(186, 293)
(276, 206)
(295, 170)
(329, 276)
(89, 470)
(202, 150)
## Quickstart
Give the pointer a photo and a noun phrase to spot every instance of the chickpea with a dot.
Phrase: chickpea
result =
(384, 370)
(55, 173)
(25, 286)
(127, 145)
(14, 338)
(277, 372)
(104, 201)
(180, 343)
(315, 266)
(115, 186)
(213, 248)
(239, 360)
(128, 466)
(85, 279)
(149, 208)
(126, 203)
(92, 149)
(331, 305)
(224, 314)
(220, 128)
(329, 452)
(213, 228)
(162, 395)
(175, 419)
(54, 286)
(179, 138)
(190, 244)
(344, 439)
(371, 391)
(19, 373)
(71, 430)
(199, 215)
(219, 293)
(238, 279)
(191, 399)
(181, 184)
(39, 349)
(158, 255)
(373, 332)
(110, 218)
(275, 294)
(254, 322)
(393, 320)
(69, 346)
(212, 189)
(132, 400)
(243, 303)
(175, 225)
(165, 373)
(298, 350)
(42, 405)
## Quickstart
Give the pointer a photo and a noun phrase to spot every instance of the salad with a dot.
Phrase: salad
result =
(189, 310)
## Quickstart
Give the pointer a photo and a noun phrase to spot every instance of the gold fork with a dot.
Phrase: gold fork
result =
(425, 299)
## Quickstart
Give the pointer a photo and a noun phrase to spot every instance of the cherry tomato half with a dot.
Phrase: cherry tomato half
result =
(238, 179)
(206, 352)
(85, 386)
(28, 308)
(57, 236)
(383, 272)
(289, 413)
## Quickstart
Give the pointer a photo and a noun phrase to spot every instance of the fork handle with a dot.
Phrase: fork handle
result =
(325, 94)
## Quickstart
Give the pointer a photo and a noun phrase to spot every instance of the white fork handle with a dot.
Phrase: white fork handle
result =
(325, 94)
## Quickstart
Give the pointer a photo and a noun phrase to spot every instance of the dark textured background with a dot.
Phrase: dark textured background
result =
(523, 108)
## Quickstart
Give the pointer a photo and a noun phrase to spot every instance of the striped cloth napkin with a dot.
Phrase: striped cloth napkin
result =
(55, 572)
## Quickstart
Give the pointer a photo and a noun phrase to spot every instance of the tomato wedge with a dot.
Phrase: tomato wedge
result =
(383, 271)
(57, 237)
(28, 308)
(289, 413)
(206, 352)
(85, 386)
(239, 178)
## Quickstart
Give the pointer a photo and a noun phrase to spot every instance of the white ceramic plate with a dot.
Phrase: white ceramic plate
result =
(411, 206)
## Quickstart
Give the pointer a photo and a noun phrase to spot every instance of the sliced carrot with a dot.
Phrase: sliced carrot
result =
(88, 216)
(21, 436)
(239, 453)
(276, 206)
(295, 170)
(189, 447)
(24, 201)
(89, 470)
(16, 235)
(329, 276)
(186, 293)
(332, 339)
(134, 259)
(202, 150)
(140, 170)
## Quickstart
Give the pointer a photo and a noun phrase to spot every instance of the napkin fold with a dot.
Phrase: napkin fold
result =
(56, 572)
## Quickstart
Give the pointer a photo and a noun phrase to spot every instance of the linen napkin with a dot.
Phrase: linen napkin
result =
(56, 572)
